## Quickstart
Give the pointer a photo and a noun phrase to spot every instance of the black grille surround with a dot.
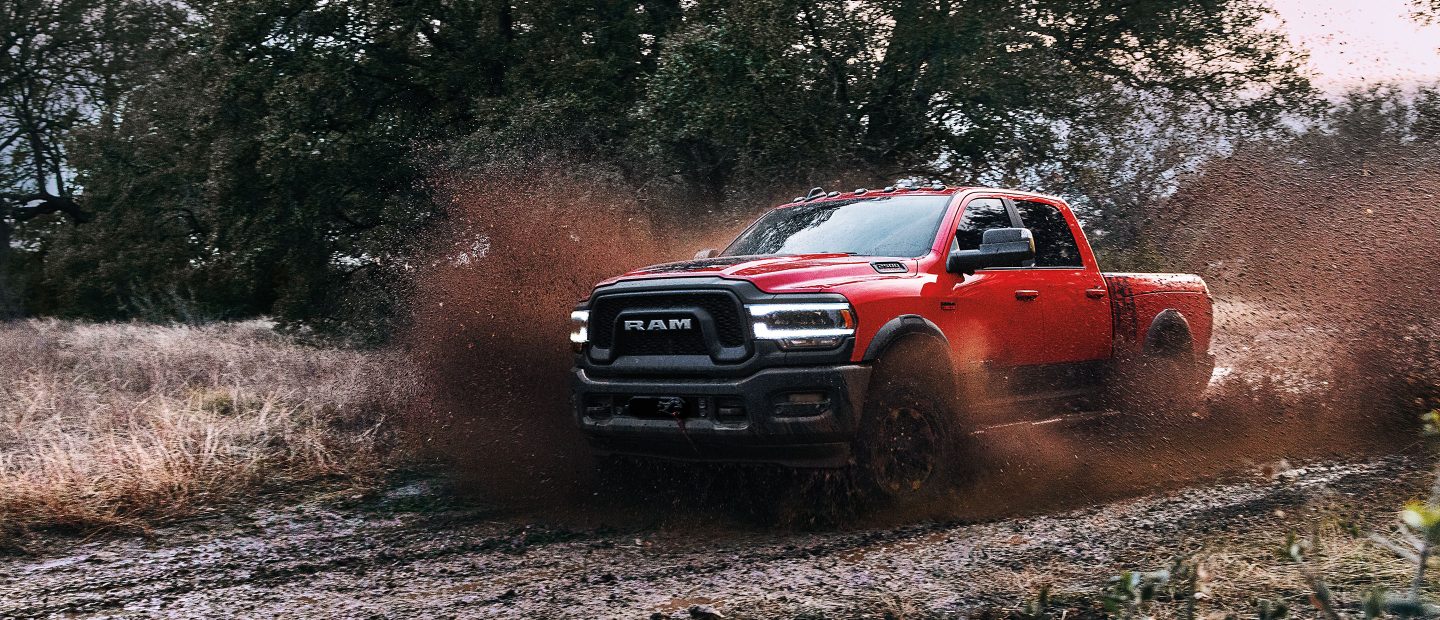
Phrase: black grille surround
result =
(721, 346)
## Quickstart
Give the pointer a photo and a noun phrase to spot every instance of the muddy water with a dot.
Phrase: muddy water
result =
(407, 554)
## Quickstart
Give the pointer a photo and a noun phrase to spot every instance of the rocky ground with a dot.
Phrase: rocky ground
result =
(412, 552)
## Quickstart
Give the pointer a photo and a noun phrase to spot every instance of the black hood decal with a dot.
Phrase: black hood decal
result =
(696, 265)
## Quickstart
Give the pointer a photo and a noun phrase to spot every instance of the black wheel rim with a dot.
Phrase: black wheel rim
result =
(903, 455)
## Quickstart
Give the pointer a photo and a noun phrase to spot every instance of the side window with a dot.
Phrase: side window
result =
(1054, 242)
(981, 214)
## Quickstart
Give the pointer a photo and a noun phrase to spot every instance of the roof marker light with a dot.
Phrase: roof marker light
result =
(861, 191)
(888, 189)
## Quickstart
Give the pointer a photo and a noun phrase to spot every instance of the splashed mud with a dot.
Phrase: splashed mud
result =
(1317, 357)
(489, 336)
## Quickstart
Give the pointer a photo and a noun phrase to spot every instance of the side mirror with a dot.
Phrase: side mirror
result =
(707, 253)
(999, 247)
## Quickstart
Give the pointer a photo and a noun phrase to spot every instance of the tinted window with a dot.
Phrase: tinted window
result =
(1054, 244)
(981, 214)
(880, 226)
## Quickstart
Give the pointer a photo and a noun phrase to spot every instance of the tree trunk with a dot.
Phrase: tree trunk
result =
(10, 298)
(497, 67)
(894, 125)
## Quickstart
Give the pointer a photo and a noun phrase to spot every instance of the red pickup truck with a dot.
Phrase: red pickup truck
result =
(872, 330)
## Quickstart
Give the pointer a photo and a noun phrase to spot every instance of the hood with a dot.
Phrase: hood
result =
(776, 274)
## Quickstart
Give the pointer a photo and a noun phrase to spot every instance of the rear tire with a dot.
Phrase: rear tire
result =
(1160, 383)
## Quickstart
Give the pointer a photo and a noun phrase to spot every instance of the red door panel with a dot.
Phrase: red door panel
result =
(1027, 316)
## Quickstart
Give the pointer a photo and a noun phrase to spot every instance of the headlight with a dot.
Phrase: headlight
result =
(803, 325)
(579, 328)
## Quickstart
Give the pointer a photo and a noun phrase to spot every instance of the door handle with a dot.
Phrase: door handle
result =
(1026, 295)
(1094, 293)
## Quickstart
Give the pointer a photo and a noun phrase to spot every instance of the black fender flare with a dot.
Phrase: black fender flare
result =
(899, 327)
(1169, 334)
(912, 328)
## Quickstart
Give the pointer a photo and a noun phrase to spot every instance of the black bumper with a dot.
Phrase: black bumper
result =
(796, 416)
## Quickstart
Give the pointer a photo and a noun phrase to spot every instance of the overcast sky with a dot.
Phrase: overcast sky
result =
(1354, 42)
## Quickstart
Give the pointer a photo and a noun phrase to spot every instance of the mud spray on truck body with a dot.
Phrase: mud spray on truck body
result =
(872, 332)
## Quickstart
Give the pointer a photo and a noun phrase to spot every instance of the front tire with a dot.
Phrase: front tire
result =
(903, 443)
(909, 437)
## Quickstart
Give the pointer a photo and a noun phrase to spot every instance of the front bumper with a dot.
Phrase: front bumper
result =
(797, 416)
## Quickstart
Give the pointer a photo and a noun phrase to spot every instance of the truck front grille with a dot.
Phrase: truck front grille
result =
(722, 307)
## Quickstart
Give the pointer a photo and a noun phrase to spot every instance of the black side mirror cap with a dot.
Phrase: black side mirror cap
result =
(707, 253)
(999, 247)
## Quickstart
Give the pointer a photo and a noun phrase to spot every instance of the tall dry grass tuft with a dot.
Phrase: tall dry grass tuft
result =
(115, 425)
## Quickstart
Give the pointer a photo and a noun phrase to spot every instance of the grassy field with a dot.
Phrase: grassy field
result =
(121, 426)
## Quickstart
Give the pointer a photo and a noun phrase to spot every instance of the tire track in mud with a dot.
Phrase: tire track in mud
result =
(330, 555)
(360, 561)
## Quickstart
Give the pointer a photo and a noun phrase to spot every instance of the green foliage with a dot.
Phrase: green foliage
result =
(1038, 608)
(1271, 610)
(1422, 518)
(1431, 423)
(68, 68)
(1128, 592)
(278, 156)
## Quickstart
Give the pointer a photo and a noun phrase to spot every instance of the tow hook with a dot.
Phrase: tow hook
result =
(675, 408)
(671, 406)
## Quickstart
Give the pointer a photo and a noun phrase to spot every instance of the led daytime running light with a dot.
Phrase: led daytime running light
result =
(841, 314)
(581, 332)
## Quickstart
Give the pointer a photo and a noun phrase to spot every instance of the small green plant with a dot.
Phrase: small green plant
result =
(1128, 593)
(1413, 540)
(1037, 609)
(1431, 423)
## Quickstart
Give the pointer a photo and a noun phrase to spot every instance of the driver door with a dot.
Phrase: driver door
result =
(976, 315)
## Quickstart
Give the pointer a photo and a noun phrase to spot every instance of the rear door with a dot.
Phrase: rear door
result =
(1062, 294)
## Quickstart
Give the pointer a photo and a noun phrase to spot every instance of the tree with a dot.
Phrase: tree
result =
(979, 90)
(68, 64)
(1426, 11)
(279, 156)
(276, 166)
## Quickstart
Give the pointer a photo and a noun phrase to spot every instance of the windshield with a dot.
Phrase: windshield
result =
(902, 226)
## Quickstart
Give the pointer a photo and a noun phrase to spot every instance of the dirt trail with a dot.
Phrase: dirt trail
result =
(402, 556)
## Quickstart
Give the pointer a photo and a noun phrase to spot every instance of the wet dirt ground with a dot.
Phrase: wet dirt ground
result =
(410, 553)
(1068, 504)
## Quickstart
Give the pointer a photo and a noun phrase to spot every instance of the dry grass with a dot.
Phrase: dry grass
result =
(105, 426)
(1241, 569)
